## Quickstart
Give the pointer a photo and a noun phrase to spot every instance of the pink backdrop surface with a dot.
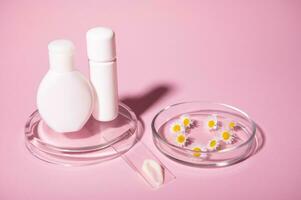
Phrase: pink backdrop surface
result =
(244, 53)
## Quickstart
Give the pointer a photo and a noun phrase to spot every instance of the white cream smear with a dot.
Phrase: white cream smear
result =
(154, 172)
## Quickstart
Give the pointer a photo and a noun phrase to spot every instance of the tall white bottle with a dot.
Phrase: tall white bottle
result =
(65, 96)
(103, 73)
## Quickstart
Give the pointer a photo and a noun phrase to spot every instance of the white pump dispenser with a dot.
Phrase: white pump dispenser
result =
(65, 97)
(103, 73)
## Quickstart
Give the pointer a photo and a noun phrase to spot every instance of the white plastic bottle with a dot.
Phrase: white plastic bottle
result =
(103, 73)
(65, 97)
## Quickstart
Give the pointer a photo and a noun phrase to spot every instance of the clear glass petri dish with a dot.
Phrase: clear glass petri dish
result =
(94, 143)
(199, 135)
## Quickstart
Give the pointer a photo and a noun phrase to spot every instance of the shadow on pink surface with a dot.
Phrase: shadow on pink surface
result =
(141, 103)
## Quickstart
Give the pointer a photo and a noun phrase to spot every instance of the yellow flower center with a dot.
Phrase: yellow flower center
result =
(176, 128)
(226, 135)
(211, 123)
(197, 151)
(181, 139)
(231, 125)
(213, 143)
(186, 122)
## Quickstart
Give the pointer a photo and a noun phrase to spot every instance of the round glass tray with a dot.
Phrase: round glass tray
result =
(95, 142)
(196, 150)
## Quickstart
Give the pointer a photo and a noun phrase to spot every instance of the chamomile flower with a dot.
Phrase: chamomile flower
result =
(213, 144)
(230, 124)
(181, 139)
(177, 127)
(211, 122)
(199, 151)
(186, 121)
(226, 136)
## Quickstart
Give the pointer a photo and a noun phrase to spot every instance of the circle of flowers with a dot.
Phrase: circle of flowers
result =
(184, 124)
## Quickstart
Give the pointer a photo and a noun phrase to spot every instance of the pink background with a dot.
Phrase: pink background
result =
(244, 53)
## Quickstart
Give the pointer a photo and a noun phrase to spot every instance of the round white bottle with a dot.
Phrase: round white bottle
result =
(65, 96)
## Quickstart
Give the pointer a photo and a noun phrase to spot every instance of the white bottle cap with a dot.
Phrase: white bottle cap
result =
(61, 55)
(101, 44)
